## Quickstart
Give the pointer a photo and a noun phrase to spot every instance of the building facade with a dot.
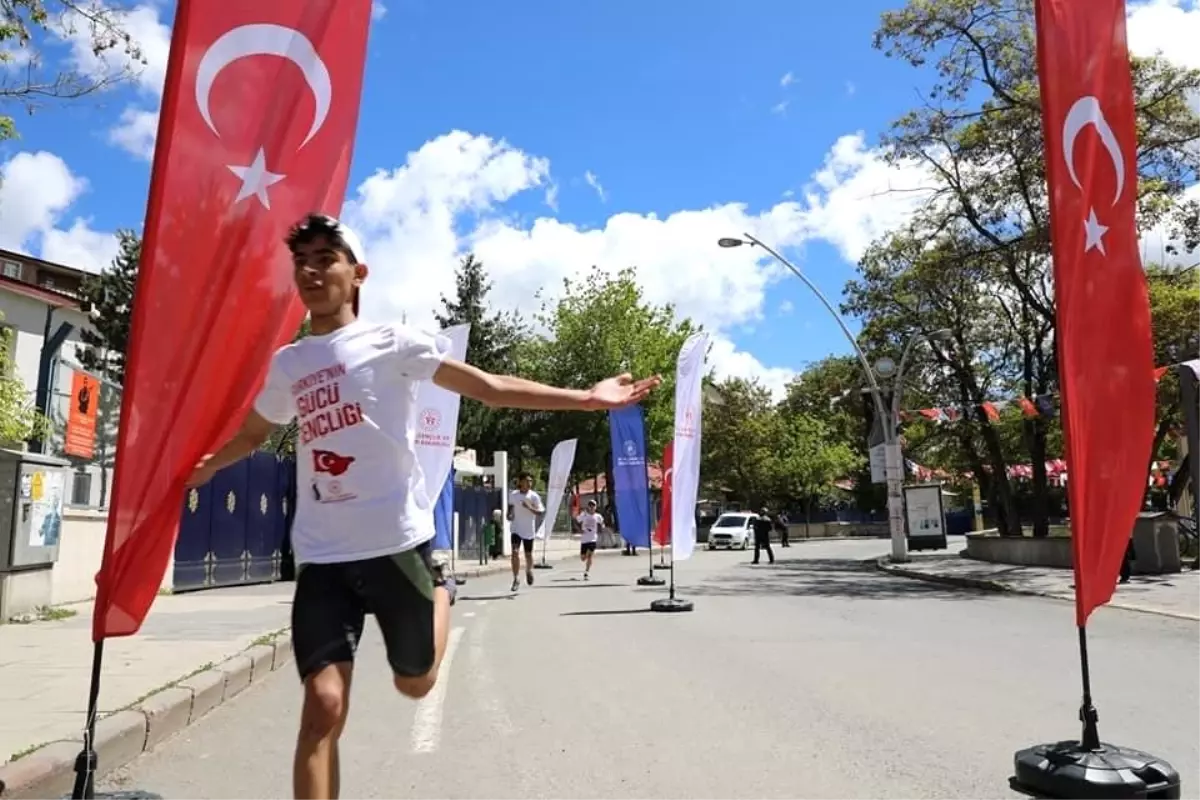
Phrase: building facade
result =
(36, 297)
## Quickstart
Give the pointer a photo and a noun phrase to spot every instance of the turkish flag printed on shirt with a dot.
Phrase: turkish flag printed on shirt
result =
(662, 531)
(1105, 353)
(257, 129)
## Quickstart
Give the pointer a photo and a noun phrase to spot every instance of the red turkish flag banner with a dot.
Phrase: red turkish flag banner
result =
(662, 531)
(1105, 355)
(256, 130)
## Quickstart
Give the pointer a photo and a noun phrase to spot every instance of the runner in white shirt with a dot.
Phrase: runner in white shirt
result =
(590, 523)
(363, 521)
(524, 508)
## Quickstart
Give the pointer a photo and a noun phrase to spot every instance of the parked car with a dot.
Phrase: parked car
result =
(731, 530)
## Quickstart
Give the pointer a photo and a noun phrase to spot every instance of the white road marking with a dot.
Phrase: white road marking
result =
(427, 722)
(468, 613)
(481, 678)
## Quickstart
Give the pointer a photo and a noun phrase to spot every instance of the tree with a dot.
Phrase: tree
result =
(24, 24)
(807, 458)
(979, 134)
(19, 420)
(107, 300)
(1174, 298)
(741, 442)
(491, 346)
(599, 327)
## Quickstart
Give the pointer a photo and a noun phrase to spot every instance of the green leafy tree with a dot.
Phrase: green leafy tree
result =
(740, 446)
(107, 300)
(492, 346)
(602, 326)
(1174, 299)
(806, 458)
(19, 419)
(979, 133)
(25, 82)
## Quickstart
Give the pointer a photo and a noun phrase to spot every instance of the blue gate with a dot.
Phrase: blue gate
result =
(232, 530)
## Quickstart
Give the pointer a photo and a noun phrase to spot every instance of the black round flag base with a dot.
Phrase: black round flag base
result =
(543, 565)
(460, 580)
(650, 580)
(1067, 770)
(669, 605)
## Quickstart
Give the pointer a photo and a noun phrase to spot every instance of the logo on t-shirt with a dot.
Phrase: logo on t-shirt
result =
(331, 462)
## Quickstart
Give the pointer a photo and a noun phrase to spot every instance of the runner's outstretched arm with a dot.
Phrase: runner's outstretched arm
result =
(250, 436)
(506, 391)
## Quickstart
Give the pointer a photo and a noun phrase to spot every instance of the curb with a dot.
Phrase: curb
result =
(122, 736)
(985, 585)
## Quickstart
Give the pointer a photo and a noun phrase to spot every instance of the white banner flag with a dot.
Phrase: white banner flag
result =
(437, 420)
(685, 475)
(561, 461)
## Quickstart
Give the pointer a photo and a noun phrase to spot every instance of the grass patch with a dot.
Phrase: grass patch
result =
(165, 686)
(269, 638)
(43, 614)
(17, 756)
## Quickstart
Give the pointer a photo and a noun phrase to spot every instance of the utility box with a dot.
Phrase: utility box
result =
(33, 489)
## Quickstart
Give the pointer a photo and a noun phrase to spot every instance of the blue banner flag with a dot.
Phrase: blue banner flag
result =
(630, 482)
(443, 516)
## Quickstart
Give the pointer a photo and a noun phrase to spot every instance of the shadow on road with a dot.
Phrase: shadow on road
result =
(469, 597)
(823, 577)
(584, 585)
(608, 613)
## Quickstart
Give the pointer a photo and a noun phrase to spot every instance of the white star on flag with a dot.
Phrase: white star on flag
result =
(255, 180)
(1093, 232)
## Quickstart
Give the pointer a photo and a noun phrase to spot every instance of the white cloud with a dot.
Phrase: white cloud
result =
(135, 130)
(552, 197)
(378, 10)
(591, 180)
(787, 80)
(448, 199)
(850, 88)
(787, 307)
(36, 190)
(781, 107)
(1167, 27)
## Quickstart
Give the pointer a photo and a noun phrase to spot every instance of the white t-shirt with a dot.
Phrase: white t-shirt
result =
(591, 525)
(360, 491)
(524, 521)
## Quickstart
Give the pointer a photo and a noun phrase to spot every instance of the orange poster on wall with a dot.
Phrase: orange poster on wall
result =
(81, 417)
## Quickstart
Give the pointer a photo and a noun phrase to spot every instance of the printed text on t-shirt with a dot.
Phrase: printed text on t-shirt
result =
(319, 406)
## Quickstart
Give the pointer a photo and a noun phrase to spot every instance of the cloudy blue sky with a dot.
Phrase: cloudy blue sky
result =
(548, 137)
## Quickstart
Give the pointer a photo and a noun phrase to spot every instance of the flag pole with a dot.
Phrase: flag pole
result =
(86, 761)
(650, 579)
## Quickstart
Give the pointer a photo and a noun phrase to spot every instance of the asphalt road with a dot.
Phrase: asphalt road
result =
(809, 678)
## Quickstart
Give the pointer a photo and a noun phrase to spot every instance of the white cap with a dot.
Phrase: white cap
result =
(349, 238)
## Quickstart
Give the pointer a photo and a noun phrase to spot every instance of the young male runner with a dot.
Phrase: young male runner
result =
(524, 506)
(364, 515)
(590, 524)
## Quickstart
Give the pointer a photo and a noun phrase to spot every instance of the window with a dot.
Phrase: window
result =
(81, 490)
(11, 269)
(47, 281)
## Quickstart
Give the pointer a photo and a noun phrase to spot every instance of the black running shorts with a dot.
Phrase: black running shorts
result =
(332, 601)
(516, 541)
(586, 547)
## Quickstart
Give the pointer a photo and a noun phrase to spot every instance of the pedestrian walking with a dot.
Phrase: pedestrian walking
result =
(781, 525)
(762, 535)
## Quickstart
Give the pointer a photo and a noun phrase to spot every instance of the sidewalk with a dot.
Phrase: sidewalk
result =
(195, 651)
(1176, 595)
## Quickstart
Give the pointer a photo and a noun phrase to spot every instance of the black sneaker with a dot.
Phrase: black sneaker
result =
(529, 578)
(443, 578)
(585, 576)
(516, 585)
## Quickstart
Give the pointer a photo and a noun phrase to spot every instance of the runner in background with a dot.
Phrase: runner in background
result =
(590, 525)
(524, 507)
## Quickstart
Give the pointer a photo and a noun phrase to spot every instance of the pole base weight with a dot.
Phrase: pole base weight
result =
(1066, 770)
(459, 580)
(543, 565)
(650, 580)
(662, 566)
(670, 605)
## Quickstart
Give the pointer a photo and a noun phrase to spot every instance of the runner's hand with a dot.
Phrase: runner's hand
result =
(202, 473)
(620, 391)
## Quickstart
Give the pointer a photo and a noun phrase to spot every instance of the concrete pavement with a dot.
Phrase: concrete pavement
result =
(815, 677)
(195, 651)
(1173, 595)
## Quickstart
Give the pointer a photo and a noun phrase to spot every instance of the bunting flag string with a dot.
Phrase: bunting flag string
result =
(1043, 405)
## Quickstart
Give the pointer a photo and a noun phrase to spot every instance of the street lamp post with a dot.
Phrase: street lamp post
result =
(888, 417)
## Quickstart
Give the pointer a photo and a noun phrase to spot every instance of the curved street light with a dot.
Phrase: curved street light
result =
(888, 418)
